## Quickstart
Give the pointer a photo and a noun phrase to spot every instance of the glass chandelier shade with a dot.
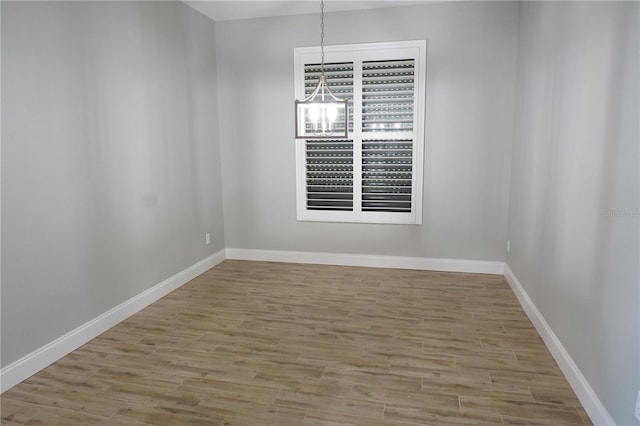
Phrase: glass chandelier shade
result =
(321, 114)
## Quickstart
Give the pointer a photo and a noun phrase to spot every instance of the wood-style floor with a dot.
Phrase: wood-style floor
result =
(256, 343)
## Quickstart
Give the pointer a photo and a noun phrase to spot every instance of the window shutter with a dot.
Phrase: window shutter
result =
(374, 176)
(329, 174)
(387, 116)
(387, 95)
(329, 163)
(386, 175)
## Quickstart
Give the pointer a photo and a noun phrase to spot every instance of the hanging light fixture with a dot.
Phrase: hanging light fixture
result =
(321, 114)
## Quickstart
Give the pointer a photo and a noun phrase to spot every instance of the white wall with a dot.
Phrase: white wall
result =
(110, 162)
(574, 205)
(471, 68)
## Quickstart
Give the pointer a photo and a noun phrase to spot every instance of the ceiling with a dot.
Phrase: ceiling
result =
(225, 10)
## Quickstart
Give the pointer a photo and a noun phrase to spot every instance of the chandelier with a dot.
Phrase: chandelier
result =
(318, 115)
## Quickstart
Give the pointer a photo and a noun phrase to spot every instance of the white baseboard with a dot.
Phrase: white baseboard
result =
(372, 261)
(30, 364)
(585, 393)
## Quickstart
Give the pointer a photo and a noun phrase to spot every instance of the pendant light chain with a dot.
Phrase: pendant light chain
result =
(322, 37)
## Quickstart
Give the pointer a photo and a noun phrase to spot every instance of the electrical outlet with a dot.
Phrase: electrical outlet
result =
(638, 407)
(508, 246)
(207, 238)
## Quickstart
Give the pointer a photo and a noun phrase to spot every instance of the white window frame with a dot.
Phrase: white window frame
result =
(357, 53)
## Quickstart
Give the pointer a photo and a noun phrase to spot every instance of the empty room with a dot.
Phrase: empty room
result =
(320, 213)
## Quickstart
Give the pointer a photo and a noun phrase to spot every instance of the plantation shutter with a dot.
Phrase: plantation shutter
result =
(387, 118)
(375, 175)
(329, 162)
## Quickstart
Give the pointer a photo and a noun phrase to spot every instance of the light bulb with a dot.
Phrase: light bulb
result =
(314, 116)
(314, 113)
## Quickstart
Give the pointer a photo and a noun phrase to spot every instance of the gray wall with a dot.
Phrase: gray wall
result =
(110, 162)
(111, 173)
(471, 68)
(574, 209)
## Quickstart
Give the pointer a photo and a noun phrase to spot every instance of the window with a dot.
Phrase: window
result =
(375, 175)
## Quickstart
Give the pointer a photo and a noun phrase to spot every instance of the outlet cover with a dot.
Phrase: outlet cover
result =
(638, 407)
(207, 238)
